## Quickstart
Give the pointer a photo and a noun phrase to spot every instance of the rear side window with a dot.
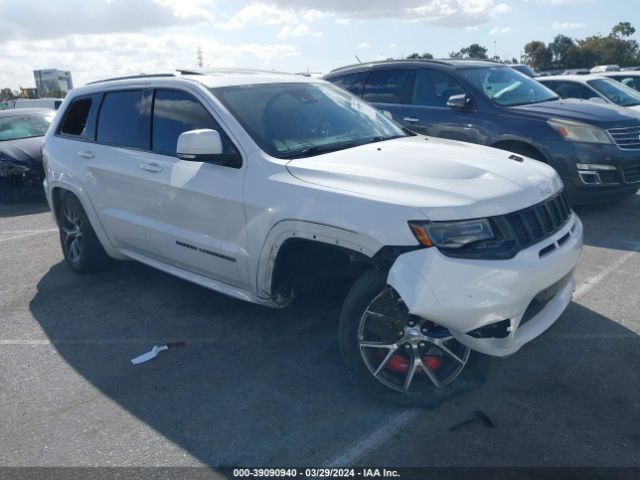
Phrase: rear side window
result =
(176, 112)
(120, 118)
(352, 83)
(433, 88)
(76, 118)
(386, 86)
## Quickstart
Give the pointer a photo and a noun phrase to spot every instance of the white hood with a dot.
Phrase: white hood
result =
(446, 180)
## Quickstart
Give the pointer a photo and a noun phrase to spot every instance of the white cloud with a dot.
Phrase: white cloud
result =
(472, 29)
(499, 31)
(450, 13)
(300, 30)
(567, 25)
(393, 45)
(363, 45)
(91, 57)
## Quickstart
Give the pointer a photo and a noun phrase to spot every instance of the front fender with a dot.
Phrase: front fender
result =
(289, 229)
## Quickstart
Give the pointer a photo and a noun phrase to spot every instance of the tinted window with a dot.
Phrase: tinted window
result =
(175, 112)
(433, 88)
(75, 120)
(386, 86)
(119, 120)
(571, 90)
(629, 81)
(352, 83)
(24, 126)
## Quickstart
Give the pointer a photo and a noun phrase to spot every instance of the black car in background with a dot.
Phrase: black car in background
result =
(594, 148)
(21, 132)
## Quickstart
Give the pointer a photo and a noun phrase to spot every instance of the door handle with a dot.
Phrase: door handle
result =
(411, 119)
(151, 167)
(86, 154)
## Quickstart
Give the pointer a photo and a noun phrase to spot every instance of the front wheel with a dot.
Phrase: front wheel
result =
(399, 357)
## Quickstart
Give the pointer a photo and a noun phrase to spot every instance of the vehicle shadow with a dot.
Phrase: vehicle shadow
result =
(257, 387)
(613, 224)
(250, 383)
(36, 203)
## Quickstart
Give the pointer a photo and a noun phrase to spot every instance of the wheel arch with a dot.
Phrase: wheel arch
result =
(523, 147)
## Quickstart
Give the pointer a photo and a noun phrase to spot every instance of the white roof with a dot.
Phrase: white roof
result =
(220, 77)
(573, 78)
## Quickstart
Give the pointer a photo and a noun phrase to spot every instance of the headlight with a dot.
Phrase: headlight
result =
(579, 132)
(452, 234)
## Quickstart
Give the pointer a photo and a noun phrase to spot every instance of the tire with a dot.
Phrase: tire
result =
(422, 392)
(80, 245)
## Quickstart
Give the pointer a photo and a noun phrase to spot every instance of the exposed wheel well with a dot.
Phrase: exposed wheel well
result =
(306, 266)
(56, 197)
(523, 148)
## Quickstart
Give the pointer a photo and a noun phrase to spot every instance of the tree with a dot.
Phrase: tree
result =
(538, 55)
(472, 51)
(559, 50)
(623, 29)
(417, 56)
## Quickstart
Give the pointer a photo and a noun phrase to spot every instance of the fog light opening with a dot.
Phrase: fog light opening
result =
(590, 178)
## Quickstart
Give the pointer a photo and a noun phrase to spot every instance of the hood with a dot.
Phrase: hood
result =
(25, 151)
(601, 115)
(444, 179)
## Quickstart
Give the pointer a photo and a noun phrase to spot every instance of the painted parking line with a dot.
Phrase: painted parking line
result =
(368, 443)
(15, 235)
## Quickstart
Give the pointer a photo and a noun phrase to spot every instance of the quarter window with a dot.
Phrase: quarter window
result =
(386, 86)
(75, 120)
(120, 119)
(352, 83)
(433, 88)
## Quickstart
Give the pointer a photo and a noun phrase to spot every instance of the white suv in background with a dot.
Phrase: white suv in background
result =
(262, 186)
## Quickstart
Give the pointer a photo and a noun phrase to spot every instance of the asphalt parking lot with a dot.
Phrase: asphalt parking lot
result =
(261, 387)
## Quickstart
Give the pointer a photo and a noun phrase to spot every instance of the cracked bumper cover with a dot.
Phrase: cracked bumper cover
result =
(463, 295)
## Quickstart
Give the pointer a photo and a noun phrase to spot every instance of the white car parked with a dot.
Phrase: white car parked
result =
(595, 88)
(261, 186)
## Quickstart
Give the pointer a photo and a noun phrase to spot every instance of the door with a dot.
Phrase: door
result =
(195, 215)
(116, 185)
(427, 111)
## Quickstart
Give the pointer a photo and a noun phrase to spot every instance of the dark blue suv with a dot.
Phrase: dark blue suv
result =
(594, 148)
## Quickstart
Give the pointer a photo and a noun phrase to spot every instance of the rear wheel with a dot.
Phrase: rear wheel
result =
(81, 248)
(399, 357)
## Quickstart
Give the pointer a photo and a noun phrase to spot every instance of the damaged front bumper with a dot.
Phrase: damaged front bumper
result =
(492, 306)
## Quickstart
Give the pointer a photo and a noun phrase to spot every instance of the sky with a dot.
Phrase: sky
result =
(97, 39)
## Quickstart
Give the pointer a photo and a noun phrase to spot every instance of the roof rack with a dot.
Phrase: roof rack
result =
(396, 60)
(134, 77)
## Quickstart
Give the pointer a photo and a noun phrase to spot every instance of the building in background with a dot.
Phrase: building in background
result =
(51, 81)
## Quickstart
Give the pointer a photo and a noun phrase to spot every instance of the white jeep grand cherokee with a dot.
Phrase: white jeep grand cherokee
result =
(262, 186)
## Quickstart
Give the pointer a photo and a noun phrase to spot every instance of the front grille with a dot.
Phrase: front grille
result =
(627, 138)
(518, 230)
(533, 224)
(632, 174)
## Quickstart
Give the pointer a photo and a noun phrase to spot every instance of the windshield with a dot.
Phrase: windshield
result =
(290, 120)
(507, 87)
(616, 92)
(20, 126)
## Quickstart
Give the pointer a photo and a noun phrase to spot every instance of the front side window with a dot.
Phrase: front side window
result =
(21, 126)
(506, 87)
(433, 88)
(290, 120)
(120, 119)
(386, 86)
(176, 112)
(616, 92)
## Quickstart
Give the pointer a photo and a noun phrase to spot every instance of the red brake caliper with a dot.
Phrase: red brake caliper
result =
(399, 364)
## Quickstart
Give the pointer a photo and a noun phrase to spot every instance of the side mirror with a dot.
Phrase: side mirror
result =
(205, 145)
(459, 102)
(387, 114)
